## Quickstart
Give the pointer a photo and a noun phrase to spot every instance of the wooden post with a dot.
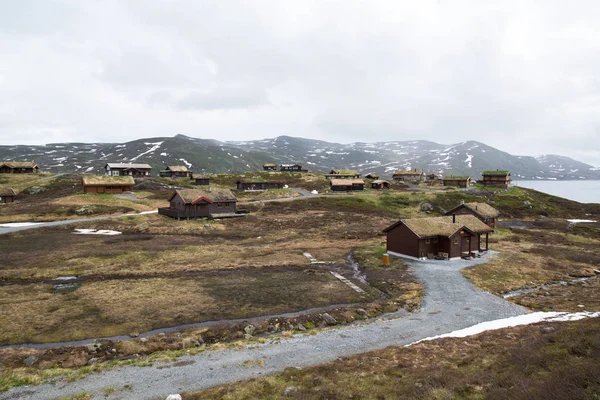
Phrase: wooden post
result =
(486, 241)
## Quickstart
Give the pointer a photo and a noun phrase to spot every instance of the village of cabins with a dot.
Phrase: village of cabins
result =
(462, 231)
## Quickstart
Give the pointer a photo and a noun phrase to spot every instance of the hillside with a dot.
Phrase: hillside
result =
(212, 156)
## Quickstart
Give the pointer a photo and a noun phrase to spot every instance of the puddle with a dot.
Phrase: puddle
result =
(64, 288)
(561, 283)
(65, 278)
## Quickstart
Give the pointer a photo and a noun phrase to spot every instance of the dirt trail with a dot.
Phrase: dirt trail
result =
(451, 302)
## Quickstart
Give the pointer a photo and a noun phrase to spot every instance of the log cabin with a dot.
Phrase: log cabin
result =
(270, 167)
(457, 181)
(346, 185)
(380, 184)
(486, 213)
(258, 185)
(446, 237)
(343, 174)
(19, 167)
(371, 176)
(292, 168)
(176, 171)
(107, 184)
(412, 176)
(496, 178)
(7, 195)
(201, 180)
(197, 203)
(128, 169)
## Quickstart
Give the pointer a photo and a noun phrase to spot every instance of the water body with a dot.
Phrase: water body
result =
(581, 191)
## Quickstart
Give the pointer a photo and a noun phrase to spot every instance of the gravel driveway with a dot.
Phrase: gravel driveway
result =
(450, 303)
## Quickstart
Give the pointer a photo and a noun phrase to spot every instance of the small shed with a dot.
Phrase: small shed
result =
(485, 212)
(107, 184)
(346, 185)
(270, 167)
(292, 168)
(198, 203)
(176, 171)
(201, 180)
(380, 184)
(7, 195)
(19, 167)
(497, 178)
(258, 185)
(457, 181)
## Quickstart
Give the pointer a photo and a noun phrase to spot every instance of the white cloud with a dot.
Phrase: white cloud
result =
(517, 75)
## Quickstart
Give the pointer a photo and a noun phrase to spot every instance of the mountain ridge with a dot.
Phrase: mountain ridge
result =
(214, 156)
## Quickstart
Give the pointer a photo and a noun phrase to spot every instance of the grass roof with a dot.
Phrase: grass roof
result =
(456, 178)
(97, 180)
(380, 181)
(408, 172)
(483, 209)
(19, 164)
(177, 168)
(344, 172)
(442, 226)
(7, 191)
(192, 195)
(269, 165)
(496, 173)
(346, 182)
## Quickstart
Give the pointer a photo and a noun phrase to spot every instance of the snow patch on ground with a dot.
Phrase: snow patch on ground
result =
(96, 232)
(18, 224)
(526, 319)
(189, 165)
(469, 159)
(575, 221)
(155, 147)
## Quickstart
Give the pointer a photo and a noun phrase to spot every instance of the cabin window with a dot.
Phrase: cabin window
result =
(219, 205)
(227, 204)
(427, 241)
(456, 240)
(203, 206)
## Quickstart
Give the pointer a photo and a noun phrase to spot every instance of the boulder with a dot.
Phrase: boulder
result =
(250, 329)
(92, 361)
(35, 190)
(93, 347)
(547, 329)
(362, 312)
(426, 207)
(290, 390)
(29, 361)
(329, 320)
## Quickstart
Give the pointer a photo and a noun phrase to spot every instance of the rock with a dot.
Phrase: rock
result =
(362, 312)
(301, 327)
(29, 361)
(547, 329)
(200, 339)
(329, 320)
(92, 361)
(174, 397)
(527, 203)
(134, 334)
(35, 190)
(290, 390)
(580, 306)
(426, 207)
(250, 329)
(144, 340)
(247, 336)
(93, 347)
(195, 342)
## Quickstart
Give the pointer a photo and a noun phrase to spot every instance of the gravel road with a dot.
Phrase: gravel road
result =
(450, 303)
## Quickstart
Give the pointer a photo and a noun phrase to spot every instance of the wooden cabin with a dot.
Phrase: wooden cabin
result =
(128, 169)
(457, 181)
(107, 184)
(176, 171)
(19, 167)
(7, 195)
(486, 213)
(292, 168)
(433, 179)
(380, 184)
(412, 176)
(346, 185)
(496, 178)
(270, 167)
(197, 203)
(343, 174)
(258, 185)
(438, 237)
(202, 180)
(371, 176)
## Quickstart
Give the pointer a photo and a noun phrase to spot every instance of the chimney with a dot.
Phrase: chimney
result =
(209, 188)
(475, 207)
(453, 218)
(462, 202)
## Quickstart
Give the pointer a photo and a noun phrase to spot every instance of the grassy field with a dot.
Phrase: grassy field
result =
(513, 363)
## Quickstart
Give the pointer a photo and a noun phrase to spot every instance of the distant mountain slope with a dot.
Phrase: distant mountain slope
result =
(212, 156)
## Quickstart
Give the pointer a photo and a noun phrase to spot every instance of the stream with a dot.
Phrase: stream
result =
(549, 285)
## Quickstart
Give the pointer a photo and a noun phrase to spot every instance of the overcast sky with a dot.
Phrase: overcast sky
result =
(522, 76)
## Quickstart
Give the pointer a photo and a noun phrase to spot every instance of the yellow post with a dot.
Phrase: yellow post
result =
(386, 259)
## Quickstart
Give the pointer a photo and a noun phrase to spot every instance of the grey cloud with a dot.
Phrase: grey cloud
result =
(223, 99)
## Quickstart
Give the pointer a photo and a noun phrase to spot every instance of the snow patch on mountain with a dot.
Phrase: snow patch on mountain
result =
(155, 147)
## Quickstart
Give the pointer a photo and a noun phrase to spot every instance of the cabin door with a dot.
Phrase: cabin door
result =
(465, 245)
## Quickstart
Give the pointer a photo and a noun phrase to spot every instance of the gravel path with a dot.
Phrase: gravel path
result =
(450, 303)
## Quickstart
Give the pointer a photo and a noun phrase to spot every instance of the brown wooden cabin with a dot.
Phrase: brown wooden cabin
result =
(197, 203)
(7, 195)
(346, 185)
(176, 171)
(457, 181)
(438, 237)
(380, 184)
(201, 180)
(371, 176)
(433, 179)
(412, 176)
(343, 174)
(270, 167)
(292, 168)
(486, 213)
(19, 167)
(258, 185)
(128, 169)
(107, 184)
(496, 178)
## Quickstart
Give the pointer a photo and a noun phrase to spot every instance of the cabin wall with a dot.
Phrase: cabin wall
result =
(7, 199)
(402, 240)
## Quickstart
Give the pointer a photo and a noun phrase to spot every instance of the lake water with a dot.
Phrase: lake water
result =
(581, 191)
